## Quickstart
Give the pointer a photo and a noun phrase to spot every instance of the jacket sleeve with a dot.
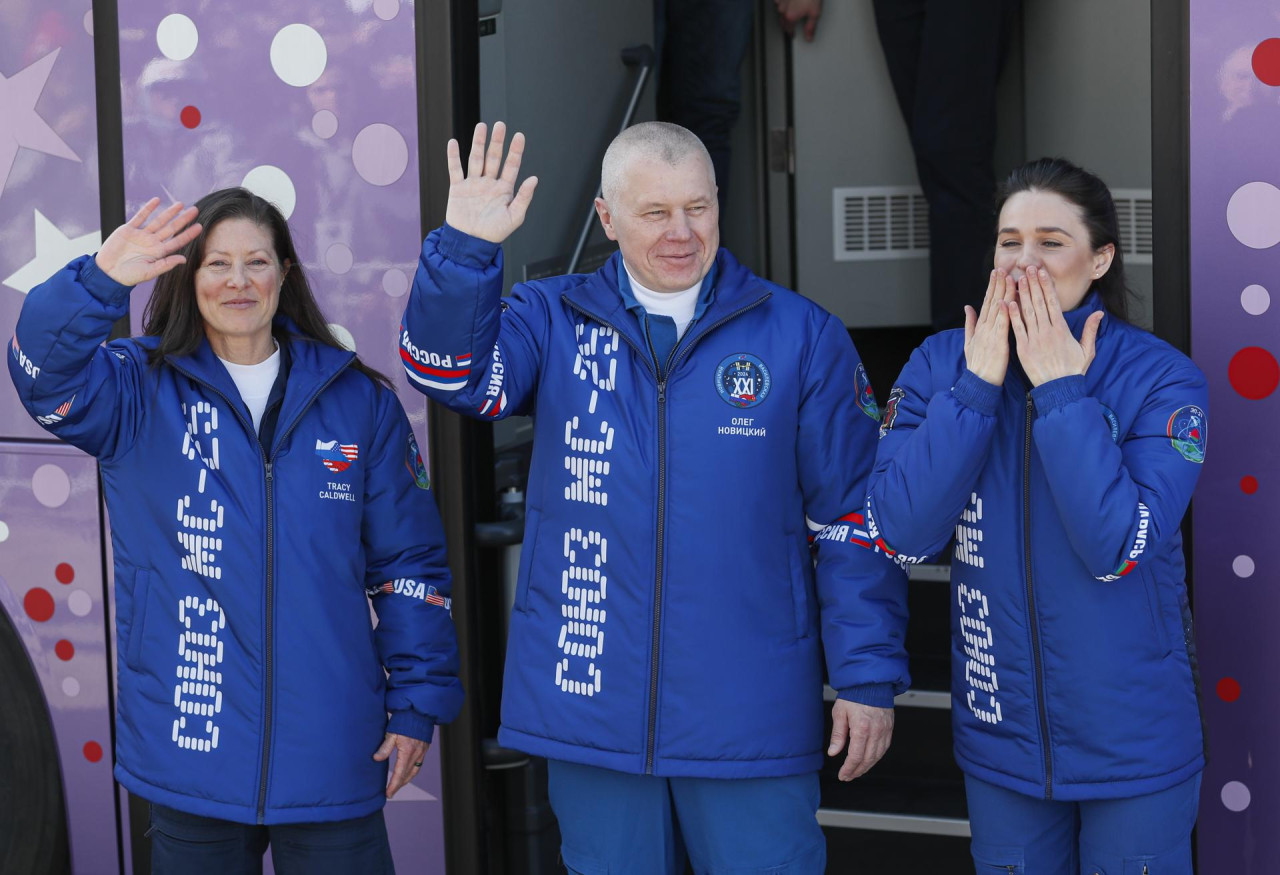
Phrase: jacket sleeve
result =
(460, 343)
(80, 391)
(862, 594)
(407, 578)
(1118, 502)
(931, 452)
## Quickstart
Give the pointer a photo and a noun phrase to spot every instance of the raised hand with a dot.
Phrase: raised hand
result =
(485, 203)
(986, 333)
(140, 250)
(1046, 347)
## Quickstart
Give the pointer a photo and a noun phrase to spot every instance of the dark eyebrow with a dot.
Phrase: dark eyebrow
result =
(1048, 230)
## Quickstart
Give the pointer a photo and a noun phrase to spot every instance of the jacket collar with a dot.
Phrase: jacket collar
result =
(599, 296)
(1091, 304)
(311, 366)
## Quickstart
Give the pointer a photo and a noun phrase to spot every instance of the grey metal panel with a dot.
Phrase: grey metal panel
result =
(909, 823)
(849, 132)
(1088, 96)
(553, 70)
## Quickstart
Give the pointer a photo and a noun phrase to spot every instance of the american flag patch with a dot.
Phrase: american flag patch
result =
(335, 456)
(57, 415)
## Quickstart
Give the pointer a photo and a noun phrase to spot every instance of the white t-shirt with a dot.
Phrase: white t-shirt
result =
(254, 383)
(678, 305)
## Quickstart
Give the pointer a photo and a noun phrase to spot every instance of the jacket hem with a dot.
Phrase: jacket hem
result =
(1079, 792)
(246, 813)
(666, 767)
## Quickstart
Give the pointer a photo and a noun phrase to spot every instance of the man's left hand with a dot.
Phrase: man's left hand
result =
(868, 732)
(410, 753)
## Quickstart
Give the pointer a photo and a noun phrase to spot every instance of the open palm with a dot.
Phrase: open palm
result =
(140, 250)
(485, 202)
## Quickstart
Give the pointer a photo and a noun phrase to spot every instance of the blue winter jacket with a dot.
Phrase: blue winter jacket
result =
(251, 682)
(1073, 664)
(668, 618)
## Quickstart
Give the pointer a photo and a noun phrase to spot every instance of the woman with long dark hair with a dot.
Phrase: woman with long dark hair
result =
(264, 487)
(1059, 445)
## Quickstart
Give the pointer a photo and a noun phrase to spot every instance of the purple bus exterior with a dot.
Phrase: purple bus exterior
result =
(1235, 336)
(313, 106)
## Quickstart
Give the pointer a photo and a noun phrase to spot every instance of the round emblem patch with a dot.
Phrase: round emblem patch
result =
(866, 397)
(1188, 431)
(743, 380)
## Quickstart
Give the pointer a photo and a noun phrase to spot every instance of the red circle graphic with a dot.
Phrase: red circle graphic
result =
(64, 572)
(38, 604)
(1266, 61)
(190, 117)
(92, 751)
(1248, 485)
(1254, 373)
(1228, 689)
(65, 650)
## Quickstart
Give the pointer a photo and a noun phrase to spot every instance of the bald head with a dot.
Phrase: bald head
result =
(655, 141)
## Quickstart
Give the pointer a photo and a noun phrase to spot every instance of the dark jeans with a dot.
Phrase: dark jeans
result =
(944, 58)
(701, 44)
(188, 844)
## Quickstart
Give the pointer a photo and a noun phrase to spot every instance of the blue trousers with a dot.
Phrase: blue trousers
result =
(1142, 835)
(188, 844)
(645, 825)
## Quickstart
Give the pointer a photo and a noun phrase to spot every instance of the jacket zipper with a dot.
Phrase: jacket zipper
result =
(1031, 600)
(661, 378)
(268, 648)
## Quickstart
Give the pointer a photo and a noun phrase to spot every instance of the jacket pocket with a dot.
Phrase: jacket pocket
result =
(801, 568)
(1160, 628)
(138, 619)
(532, 520)
(993, 859)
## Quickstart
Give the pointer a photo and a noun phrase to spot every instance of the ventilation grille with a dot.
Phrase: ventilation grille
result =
(1133, 209)
(880, 223)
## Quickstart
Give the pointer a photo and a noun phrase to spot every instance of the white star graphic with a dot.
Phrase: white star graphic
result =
(53, 250)
(23, 126)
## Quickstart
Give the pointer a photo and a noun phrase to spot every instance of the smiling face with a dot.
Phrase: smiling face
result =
(1043, 229)
(666, 220)
(238, 289)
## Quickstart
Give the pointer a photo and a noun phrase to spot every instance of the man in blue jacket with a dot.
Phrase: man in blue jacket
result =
(696, 428)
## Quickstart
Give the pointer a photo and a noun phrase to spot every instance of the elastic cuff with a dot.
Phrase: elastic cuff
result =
(97, 283)
(974, 392)
(872, 695)
(461, 247)
(1058, 393)
(412, 725)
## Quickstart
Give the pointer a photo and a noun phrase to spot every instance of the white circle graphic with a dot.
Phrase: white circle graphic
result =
(324, 124)
(70, 687)
(271, 183)
(380, 154)
(80, 603)
(1236, 796)
(1255, 300)
(1242, 566)
(1253, 215)
(298, 55)
(177, 37)
(51, 486)
(4, 531)
(395, 282)
(343, 335)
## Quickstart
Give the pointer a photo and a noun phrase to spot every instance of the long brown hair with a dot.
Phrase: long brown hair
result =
(172, 313)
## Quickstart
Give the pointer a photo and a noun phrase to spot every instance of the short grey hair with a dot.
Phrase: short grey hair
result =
(660, 141)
